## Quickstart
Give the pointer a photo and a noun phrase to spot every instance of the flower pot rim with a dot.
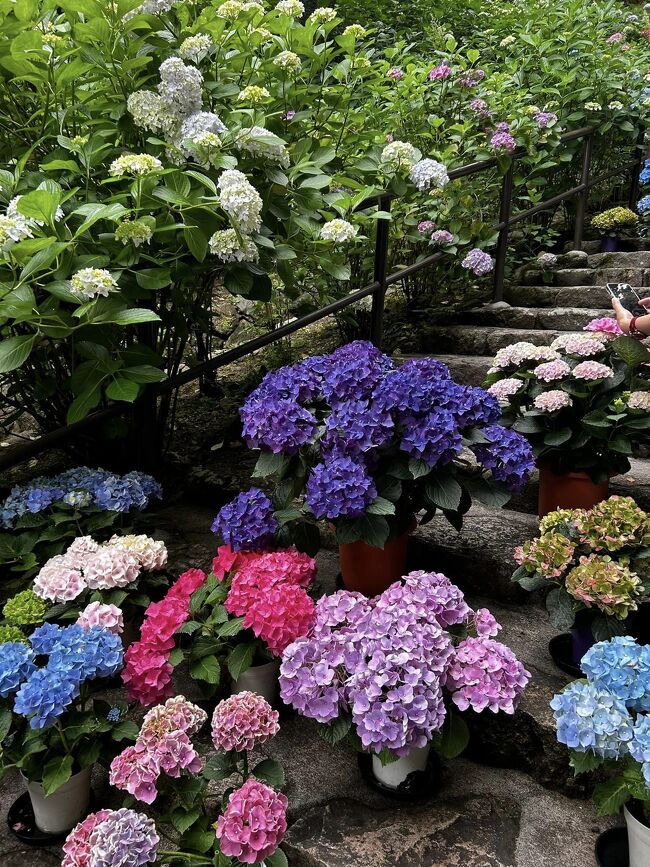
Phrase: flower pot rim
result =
(631, 809)
(572, 474)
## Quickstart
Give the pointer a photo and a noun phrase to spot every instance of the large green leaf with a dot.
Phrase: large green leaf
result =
(560, 609)
(271, 772)
(454, 736)
(240, 659)
(56, 772)
(14, 351)
(207, 668)
(444, 491)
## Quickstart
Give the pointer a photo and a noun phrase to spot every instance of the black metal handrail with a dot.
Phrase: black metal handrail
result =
(377, 289)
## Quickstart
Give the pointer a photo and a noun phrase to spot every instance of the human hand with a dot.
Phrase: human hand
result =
(623, 316)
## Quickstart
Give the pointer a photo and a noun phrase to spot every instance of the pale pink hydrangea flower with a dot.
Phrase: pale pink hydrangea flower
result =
(107, 616)
(59, 580)
(552, 370)
(517, 353)
(580, 344)
(639, 400)
(591, 370)
(178, 713)
(551, 401)
(82, 548)
(505, 388)
(76, 849)
(150, 553)
(242, 722)
(111, 567)
(607, 327)
(136, 770)
(486, 674)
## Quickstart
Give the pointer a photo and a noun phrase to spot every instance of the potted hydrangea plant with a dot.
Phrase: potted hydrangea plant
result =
(354, 439)
(612, 225)
(595, 564)
(164, 766)
(386, 672)
(605, 722)
(580, 404)
(53, 725)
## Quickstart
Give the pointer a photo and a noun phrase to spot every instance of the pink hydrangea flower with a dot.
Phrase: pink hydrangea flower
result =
(505, 388)
(442, 236)
(81, 548)
(440, 73)
(107, 616)
(551, 401)
(614, 38)
(486, 674)
(606, 326)
(552, 370)
(136, 770)
(110, 567)
(76, 849)
(639, 400)
(426, 227)
(582, 345)
(176, 714)
(485, 623)
(592, 370)
(228, 561)
(59, 580)
(253, 823)
(395, 73)
(150, 553)
(243, 721)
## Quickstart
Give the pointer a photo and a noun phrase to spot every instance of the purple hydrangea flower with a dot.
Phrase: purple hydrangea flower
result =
(508, 455)
(440, 73)
(357, 426)
(412, 386)
(479, 262)
(124, 837)
(503, 141)
(442, 236)
(247, 523)
(545, 118)
(340, 488)
(281, 426)
(433, 438)
(353, 371)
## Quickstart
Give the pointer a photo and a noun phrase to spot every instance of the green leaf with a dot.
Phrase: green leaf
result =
(269, 464)
(271, 772)
(126, 730)
(123, 389)
(605, 627)
(583, 762)
(444, 491)
(55, 773)
(207, 668)
(5, 722)
(199, 841)
(373, 530)
(532, 582)
(381, 506)
(182, 820)
(631, 351)
(240, 659)
(609, 797)
(14, 351)
(277, 859)
(418, 468)
(454, 736)
(132, 316)
(219, 767)
(560, 608)
(335, 731)
(231, 628)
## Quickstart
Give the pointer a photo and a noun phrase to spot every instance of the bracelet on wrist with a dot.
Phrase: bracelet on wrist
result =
(634, 331)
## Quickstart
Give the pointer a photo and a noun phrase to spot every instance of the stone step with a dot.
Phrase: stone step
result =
(559, 296)
(480, 340)
(636, 259)
(637, 276)
(467, 369)
(554, 318)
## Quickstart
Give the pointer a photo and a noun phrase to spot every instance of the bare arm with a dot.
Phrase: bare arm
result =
(624, 317)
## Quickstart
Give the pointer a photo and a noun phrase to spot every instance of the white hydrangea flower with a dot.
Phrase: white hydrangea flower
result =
(146, 108)
(294, 8)
(338, 231)
(240, 200)
(194, 128)
(253, 94)
(616, 105)
(583, 344)
(134, 232)
(150, 7)
(92, 282)
(355, 30)
(180, 87)
(265, 35)
(258, 141)
(322, 16)
(639, 400)
(507, 40)
(134, 164)
(227, 246)
(192, 47)
(288, 61)
(12, 230)
(230, 9)
(429, 174)
(400, 153)
(205, 148)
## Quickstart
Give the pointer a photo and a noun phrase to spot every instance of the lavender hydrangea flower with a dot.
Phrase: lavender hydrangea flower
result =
(281, 426)
(479, 262)
(356, 427)
(340, 488)
(124, 837)
(433, 438)
(247, 523)
(508, 455)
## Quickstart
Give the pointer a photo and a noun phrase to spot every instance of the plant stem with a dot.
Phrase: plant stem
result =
(186, 855)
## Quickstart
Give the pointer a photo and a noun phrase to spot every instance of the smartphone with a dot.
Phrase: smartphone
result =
(628, 297)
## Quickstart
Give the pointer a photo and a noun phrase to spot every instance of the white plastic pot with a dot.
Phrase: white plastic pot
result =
(61, 810)
(396, 772)
(262, 679)
(638, 835)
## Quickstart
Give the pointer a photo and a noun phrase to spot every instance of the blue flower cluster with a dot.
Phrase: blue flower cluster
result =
(247, 523)
(644, 177)
(434, 438)
(606, 714)
(643, 205)
(508, 455)
(74, 656)
(342, 487)
(81, 487)
(280, 425)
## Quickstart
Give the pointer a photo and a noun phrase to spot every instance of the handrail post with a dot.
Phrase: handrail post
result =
(636, 169)
(505, 211)
(380, 274)
(583, 197)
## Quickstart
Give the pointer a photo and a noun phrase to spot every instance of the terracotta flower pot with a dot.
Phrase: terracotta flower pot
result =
(568, 491)
(371, 570)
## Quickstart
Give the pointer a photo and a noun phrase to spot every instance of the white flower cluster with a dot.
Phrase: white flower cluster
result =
(228, 247)
(92, 282)
(199, 135)
(151, 7)
(192, 47)
(146, 109)
(517, 353)
(322, 16)
(15, 227)
(582, 344)
(133, 232)
(288, 61)
(253, 94)
(134, 164)
(429, 174)
(180, 87)
(259, 142)
(294, 8)
(355, 30)
(398, 154)
(230, 9)
(338, 231)
(639, 400)
(240, 200)
(150, 553)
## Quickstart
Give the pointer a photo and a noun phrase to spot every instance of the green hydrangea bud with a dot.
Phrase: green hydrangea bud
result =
(11, 633)
(25, 609)
(598, 580)
(549, 555)
(613, 524)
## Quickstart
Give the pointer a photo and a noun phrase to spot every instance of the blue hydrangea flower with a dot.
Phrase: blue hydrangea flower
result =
(45, 696)
(639, 746)
(247, 523)
(471, 405)
(589, 719)
(357, 427)
(621, 667)
(508, 455)
(299, 382)
(281, 426)
(643, 205)
(644, 177)
(85, 654)
(45, 638)
(16, 665)
(414, 386)
(433, 438)
(353, 371)
(341, 488)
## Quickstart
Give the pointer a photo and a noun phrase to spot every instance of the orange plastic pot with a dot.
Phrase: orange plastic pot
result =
(568, 491)
(371, 570)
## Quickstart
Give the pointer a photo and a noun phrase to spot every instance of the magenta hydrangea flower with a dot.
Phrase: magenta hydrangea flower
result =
(136, 770)
(486, 674)
(552, 370)
(592, 370)
(606, 326)
(440, 73)
(242, 722)
(253, 824)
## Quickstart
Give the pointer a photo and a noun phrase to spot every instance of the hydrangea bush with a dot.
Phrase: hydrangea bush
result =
(164, 765)
(387, 671)
(577, 400)
(356, 440)
(604, 721)
(53, 723)
(595, 560)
